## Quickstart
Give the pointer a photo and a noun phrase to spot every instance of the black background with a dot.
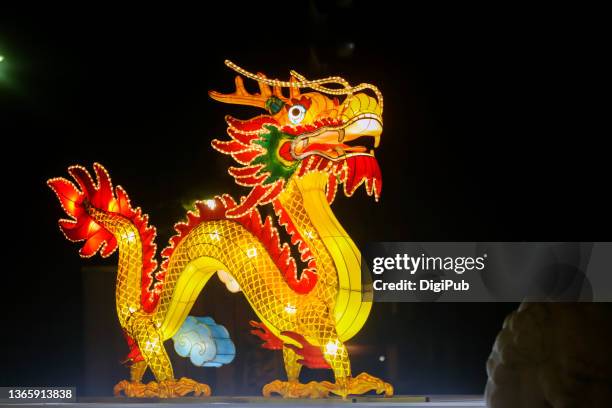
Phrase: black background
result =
(487, 137)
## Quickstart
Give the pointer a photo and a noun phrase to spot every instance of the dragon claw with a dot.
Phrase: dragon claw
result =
(296, 389)
(361, 384)
(129, 388)
(162, 389)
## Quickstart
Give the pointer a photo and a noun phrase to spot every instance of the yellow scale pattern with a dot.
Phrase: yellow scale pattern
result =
(226, 245)
(135, 322)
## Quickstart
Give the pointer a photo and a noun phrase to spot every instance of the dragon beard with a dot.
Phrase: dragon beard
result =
(350, 170)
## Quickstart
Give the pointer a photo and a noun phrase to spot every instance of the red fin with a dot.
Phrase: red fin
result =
(250, 125)
(239, 172)
(308, 278)
(81, 227)
(134, 355)
(249, 203)
(271, 342)
(312, 357)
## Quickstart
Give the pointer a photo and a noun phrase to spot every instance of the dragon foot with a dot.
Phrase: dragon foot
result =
(295, 389)
(162, 389)
(361, 384)
(133, 389)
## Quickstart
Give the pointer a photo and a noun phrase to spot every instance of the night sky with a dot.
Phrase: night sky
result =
(483, 141)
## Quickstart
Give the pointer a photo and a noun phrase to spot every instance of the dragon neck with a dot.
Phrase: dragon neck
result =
(305, 202)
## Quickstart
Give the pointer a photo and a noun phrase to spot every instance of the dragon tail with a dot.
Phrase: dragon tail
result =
(96, 211)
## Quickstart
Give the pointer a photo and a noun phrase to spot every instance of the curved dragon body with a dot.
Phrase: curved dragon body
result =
(294, 158)
(227, 245)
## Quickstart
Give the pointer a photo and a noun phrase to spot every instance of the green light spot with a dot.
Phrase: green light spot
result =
(1, 58)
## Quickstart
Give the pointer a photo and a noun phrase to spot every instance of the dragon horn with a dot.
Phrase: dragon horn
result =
(264, 88)
(297, 81)
(278, 92)
(294, 91)
(241, 96)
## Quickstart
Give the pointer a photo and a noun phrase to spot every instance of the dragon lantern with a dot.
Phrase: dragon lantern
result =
(294, 157)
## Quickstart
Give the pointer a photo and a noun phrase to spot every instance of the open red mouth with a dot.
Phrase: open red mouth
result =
(345, 151)
(358, 135)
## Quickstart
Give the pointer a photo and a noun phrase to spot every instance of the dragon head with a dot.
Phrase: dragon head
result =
(333, 130)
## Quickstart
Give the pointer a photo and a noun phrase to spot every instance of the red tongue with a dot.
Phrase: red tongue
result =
(363, 168)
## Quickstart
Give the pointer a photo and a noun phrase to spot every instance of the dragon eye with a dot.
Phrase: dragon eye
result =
(296, 114)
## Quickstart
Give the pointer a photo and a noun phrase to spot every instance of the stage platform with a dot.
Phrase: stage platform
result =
(463, 401)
